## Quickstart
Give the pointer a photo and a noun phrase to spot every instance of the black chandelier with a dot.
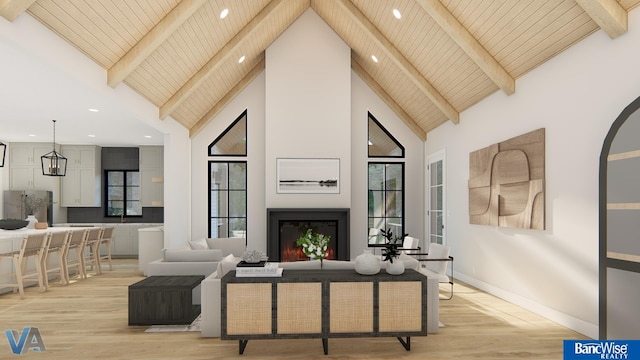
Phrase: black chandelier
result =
(53, 163)
(3, 153)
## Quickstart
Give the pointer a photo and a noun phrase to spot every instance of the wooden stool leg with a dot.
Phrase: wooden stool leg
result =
(18, 267)
(63, 268)
(43, 272)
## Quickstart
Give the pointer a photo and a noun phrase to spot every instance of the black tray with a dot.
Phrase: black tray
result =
(246, 264)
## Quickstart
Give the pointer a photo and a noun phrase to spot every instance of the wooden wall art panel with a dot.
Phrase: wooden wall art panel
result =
(506, 183)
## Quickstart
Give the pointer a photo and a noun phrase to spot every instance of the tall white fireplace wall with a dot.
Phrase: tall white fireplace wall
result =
(308, 107)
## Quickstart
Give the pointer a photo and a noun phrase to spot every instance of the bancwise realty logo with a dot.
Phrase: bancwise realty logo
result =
(20, 343)
(601, 349)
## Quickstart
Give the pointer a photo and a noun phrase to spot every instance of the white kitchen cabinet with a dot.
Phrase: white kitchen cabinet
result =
(152, 176)
(25, 172)
(150, 245)
(121, 242)
(125, 239)
(81, 187)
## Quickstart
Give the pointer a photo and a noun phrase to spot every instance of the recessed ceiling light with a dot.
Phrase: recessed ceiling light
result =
(224, 13)
(374, 58)
(148, 136)
(91, 135)
(93, 110)
(241, 60)
(397, 13)
(32, 135)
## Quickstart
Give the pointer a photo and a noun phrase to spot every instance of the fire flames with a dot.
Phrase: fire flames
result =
(294, 253)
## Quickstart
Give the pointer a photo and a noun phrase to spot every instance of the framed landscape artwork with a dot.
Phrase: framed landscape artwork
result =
(308, 176)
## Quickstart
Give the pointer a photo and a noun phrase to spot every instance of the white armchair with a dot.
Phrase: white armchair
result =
(436, 260)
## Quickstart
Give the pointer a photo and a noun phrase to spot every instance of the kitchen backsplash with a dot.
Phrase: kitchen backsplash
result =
(96, 215)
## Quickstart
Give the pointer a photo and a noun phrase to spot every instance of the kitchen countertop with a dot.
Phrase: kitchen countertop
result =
(106, 224)
(20, 233)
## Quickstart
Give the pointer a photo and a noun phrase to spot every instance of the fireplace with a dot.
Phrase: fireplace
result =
(284, 226)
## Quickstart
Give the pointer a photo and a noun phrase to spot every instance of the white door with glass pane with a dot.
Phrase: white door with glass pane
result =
(436, 198)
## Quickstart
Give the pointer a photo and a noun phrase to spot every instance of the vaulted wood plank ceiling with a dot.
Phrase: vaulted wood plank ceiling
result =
(438, 59)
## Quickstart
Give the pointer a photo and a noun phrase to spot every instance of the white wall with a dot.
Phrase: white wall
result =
(576, 96)
(308, 92)
(177, 184)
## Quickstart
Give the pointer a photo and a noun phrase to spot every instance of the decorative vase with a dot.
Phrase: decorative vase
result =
(396, 267)
(367, 263)
(32, 221)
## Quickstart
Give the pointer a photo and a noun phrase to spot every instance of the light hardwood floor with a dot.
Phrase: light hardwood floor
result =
(88, 320)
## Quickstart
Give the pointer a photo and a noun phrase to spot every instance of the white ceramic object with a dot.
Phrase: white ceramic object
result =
(367, 263)
(32, 221)
(396, 267)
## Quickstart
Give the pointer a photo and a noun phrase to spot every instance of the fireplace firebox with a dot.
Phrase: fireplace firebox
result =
(284, 227)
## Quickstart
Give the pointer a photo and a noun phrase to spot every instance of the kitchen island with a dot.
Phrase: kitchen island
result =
(125, 237)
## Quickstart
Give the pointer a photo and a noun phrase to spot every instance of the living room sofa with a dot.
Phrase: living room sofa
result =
(211, 291)
(199, 257)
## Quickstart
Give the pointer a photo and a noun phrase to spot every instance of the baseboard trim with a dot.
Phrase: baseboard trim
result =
(573, 323)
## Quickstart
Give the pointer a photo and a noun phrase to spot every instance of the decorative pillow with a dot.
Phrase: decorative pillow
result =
(200, 244)
(180, 255)
(227, 264)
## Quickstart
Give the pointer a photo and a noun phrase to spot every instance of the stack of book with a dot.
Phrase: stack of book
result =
(269, 270)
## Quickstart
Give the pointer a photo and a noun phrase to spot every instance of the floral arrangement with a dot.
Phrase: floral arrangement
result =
(33, 204)
(314, 245)
(390, 250)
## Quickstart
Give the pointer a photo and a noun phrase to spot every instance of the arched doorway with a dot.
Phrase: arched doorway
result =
(619, 204)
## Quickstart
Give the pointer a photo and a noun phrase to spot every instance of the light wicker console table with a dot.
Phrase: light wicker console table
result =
(323, 304)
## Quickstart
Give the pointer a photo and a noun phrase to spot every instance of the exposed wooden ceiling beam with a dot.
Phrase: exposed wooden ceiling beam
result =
(11, 9)
(228, 97)
(395, 107)
(150, 42)
(469, 45)
(608, 14)
(218, 59)
(394, 54)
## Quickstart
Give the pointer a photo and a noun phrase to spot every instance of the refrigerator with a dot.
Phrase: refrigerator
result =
(18, 203)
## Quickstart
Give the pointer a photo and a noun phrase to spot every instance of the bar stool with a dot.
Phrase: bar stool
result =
(33, 245)
(92, 243)
(58, 243)
(106, 239)
(76, 244)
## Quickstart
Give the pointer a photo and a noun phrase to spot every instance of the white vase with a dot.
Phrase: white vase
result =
(396, 267)
(367, 263)
(32, 221)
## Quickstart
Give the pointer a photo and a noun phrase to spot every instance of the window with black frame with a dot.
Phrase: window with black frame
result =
(385, 183)
(123, 193)
(227, 199)
(386, 200)
(228, 181)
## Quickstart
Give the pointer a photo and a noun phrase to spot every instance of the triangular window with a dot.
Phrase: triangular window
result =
(233, 141)
(381, 142)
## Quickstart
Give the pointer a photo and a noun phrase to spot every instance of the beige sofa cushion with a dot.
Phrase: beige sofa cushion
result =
(301, 265)
(188, 255)
(235, 246)
(338, 265)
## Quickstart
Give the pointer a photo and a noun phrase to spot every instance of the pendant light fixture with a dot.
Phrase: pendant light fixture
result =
(3, 153)
(53, 163)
